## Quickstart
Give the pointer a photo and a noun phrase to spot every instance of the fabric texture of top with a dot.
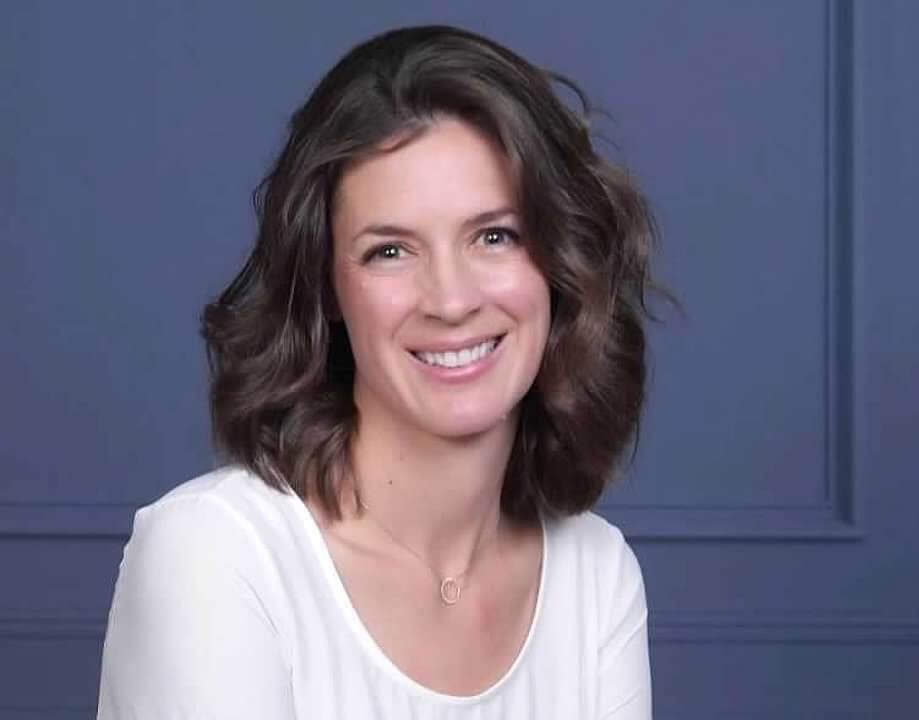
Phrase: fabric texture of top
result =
(228, 605)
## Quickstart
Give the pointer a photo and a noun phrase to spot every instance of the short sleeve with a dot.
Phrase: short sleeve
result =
(188, 634)
(624, 665)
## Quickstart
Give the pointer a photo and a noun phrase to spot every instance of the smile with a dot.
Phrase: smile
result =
(459, 358)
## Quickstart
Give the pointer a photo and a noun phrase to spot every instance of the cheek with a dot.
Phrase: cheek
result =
(525, 294)
(372, 307)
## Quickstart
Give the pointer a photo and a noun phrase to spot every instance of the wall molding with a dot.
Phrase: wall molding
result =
(819, 628)
(783, 629)
(834, 518)
(66, 520)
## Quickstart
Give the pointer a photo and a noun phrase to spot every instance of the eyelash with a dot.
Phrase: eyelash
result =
(376, 253)
(511, 234)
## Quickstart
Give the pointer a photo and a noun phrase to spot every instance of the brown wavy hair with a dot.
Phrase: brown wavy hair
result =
(280, 363)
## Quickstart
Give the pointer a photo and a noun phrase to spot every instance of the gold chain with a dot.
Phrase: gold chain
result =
(450, 588)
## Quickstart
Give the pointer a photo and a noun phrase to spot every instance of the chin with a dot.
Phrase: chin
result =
(458, 427)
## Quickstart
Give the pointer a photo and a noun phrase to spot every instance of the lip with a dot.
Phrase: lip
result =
(451, 346)
(467, 372)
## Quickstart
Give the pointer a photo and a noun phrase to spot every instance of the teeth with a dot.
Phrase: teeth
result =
(463, 357)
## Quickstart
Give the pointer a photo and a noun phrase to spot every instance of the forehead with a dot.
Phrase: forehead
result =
(451, 169)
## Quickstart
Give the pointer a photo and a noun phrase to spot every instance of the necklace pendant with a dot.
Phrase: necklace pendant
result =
(450, 590)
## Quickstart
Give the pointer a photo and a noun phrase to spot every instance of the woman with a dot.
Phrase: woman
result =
(423, 378)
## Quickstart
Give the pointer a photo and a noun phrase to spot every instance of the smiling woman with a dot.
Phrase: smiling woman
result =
(440, 296)
(422, 380)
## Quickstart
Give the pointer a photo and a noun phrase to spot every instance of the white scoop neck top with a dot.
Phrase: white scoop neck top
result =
(228, 605)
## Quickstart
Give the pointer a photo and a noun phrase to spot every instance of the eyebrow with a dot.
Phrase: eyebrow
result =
(388, 230)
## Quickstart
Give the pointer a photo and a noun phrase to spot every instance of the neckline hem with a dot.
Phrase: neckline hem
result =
(336, 585)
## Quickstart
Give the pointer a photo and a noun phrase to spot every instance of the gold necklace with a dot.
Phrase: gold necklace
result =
(450, 588)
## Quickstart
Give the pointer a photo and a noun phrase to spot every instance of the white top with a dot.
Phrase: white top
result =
(228, 605)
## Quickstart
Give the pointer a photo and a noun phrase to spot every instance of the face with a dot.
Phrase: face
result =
(446, 313)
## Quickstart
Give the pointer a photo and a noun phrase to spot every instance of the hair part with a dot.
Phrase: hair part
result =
(281, 368)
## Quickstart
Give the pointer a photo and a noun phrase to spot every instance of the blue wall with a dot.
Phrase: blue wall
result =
(772, 503)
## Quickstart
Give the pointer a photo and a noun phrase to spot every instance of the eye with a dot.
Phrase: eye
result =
(498, 236)
(387, 251)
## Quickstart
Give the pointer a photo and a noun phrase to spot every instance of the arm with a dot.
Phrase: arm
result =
(188, 635)
(625, 673)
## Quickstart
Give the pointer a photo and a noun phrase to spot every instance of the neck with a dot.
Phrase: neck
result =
(440, 497)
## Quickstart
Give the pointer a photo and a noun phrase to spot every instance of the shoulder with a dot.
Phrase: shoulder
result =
(590, 536)
(217, 519)
(231, 485)
(228, 500)
(193, 568)
(600, 550)
(199, 551)
(614, 613)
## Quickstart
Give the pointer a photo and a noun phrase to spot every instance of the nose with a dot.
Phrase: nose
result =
(451, 290)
